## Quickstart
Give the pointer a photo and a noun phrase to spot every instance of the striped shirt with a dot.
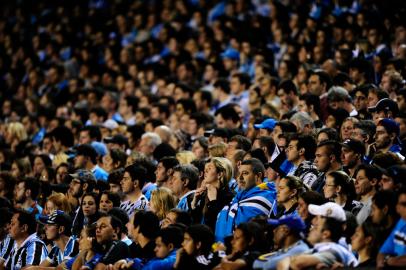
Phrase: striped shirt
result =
(31, 252)
(56, 256)
(130, 207)
(5, 247)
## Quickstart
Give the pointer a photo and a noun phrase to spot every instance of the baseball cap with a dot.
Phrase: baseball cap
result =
(354, 145)
(390, 125)
(117, 139)
(83, 175)
(294, 222)
(396, 172)
(100, 148)
(218, 132)
(385, 104)
(231, 54)
(57, 217)
(269, 124)
(330, 210)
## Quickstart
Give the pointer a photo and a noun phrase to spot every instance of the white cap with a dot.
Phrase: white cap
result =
(330, 210)
(110, 124)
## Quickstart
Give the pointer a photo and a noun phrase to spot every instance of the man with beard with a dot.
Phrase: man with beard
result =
(58, 230)
(25, 195)
(352, 153)
(386, 137)
(82, 181)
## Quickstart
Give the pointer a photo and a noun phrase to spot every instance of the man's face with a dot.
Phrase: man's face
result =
(349, 157)
(314, 85)
(264, 132)
(279, 235)
(115, 188)
(372, 99)
(315, 234)
(144, 147)
(292, 153)
(235, 86)
(360, 101)
(161, 249)
(322, 160)
(177, 184)
(387, 183)
(19, 193)
(401, 206)
(80, 162)
(401, 103)
(382, 138)
(275, 133)
(127, 185)
(51, 232)
(247, 178)
(377, 116)
(286, 100)
(74, 187)
(197, 98)
(84, 137)
(402, 127)
(362, 183)
(161, 174)
(302, 106)
(104, 231)
(15, 229)
(385, 84)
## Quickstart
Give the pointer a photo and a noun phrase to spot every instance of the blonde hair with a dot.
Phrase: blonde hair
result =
(17, 131)
(185, 157)
(163, 200)
(223, 165)
(60, 201)
(218, 150)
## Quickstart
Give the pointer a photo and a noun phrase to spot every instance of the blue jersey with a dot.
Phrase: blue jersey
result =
(5, 247)
(395, 245)
(259, 200)
(155, 263)
(270, 260)
(185, 201)
(56, 256)
(31, 252)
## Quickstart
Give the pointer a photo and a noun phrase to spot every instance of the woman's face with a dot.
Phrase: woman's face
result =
(284, 194)
(198, 150)
(210, 173)
(39, 165)
(88, 206)
(14, 170)
(49, 207)
(238, 243)
(105, 204)
(358, 240)
(302, 209)
(188, 244)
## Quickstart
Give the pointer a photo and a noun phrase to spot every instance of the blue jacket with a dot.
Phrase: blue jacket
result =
(259, 200)
(156, 263)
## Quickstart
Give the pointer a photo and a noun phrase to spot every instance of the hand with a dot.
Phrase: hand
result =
(179, 254)
(211, 192)
(121, 264)
(198, 193)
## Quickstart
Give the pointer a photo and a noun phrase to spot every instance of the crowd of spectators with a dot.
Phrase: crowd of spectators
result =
(187, 134)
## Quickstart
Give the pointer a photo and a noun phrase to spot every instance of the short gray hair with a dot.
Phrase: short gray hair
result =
(303, 119)
(154, 139)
